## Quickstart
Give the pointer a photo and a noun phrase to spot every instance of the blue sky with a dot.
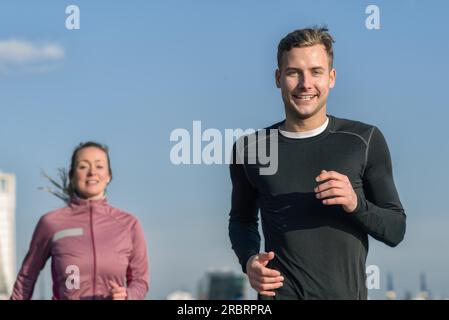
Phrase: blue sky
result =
(133, 73)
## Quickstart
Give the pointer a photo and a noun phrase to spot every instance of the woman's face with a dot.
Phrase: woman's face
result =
(91, 173)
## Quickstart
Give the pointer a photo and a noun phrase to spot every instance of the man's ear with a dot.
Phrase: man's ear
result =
(332, 78)
(277, 76)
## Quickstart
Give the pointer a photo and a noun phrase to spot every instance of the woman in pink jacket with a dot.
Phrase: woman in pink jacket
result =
(97, 251)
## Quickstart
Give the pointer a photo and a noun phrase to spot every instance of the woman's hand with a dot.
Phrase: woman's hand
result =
(117, 292)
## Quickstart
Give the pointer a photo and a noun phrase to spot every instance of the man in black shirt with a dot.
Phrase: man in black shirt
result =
(333, 187)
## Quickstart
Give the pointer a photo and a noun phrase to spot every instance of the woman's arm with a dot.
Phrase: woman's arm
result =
(137, 275)
(34, 262)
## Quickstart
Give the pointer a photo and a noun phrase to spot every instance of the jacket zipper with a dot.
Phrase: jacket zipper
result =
(93, 251)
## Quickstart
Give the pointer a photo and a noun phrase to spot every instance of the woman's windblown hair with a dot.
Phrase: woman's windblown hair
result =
(63, 189)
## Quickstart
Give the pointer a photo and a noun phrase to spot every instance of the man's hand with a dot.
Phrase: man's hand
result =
(261, 278)
(117, 292)
(335, 188)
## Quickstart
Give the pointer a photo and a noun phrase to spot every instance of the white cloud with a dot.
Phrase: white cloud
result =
(21, 53)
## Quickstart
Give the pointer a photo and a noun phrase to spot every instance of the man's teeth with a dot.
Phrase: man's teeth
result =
(92, 182)
(305, 97)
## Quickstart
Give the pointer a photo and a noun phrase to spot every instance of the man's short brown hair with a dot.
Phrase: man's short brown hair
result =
(306, 38)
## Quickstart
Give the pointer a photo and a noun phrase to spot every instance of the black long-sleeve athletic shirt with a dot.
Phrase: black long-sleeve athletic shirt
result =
(319, 249)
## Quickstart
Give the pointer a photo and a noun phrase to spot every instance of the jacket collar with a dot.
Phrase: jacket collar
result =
(80, 204)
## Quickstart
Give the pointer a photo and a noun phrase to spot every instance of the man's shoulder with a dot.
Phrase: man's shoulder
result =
(361, 129)
(257, 136)
(274, 126)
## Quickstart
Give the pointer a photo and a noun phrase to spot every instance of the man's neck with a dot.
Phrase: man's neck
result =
(300, 125)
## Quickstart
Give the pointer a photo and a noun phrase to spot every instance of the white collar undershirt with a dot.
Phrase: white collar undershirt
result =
(305, 134)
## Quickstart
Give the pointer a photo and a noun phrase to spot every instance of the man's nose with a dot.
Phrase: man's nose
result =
(305, 82)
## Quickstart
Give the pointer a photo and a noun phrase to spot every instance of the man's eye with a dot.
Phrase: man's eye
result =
(99, 167)
(316, 72)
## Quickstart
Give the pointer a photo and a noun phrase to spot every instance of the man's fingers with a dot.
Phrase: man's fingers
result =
(265, 257)
(332, 193)
(264, 279)
(329, 185)
(337, 200)
(258, 263)
(266, 272)
(267, 286)
(326, 175)
(270, 279)
(260, 259)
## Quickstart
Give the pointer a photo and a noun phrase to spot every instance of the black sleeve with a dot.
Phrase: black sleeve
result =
(243, 218)
(379, 210)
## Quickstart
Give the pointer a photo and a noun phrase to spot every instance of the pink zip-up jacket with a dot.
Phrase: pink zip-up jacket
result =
(90, 243)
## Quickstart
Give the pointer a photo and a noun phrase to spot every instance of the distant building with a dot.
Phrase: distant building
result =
(7, 233)
(390, 294)
(180, 295)
(423, 293)
(222, 285)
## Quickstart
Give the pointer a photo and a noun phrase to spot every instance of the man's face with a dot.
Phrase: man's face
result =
(305, 81)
